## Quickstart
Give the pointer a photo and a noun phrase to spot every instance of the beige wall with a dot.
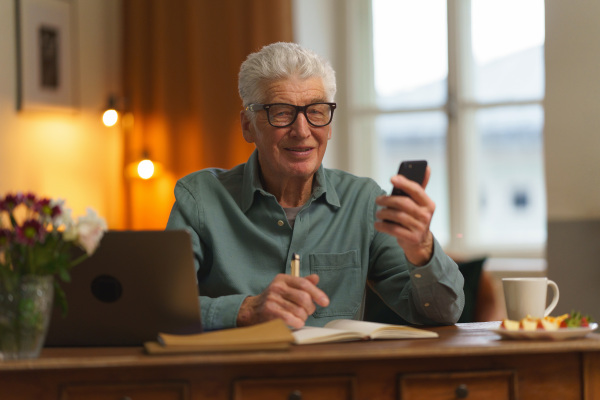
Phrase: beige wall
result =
(572, 151)
(572, 129)
(68, 155)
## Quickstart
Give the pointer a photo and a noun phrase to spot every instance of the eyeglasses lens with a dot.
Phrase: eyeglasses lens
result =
(281, 114)
(318, 114)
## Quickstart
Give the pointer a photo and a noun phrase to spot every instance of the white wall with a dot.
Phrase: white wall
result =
(572, 151)
(572, 130)
(68, 155)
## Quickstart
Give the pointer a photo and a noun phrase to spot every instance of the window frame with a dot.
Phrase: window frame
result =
(460, 109)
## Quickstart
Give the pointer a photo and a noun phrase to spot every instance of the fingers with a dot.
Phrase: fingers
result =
(317, 295)
(417, 204)
(296, 297)
(290, 298)
(406, 211)
(412, 188)
(411, 215)
(408, 239)
(406, 215)
(288, 309)
(426, 178)
(304, 292)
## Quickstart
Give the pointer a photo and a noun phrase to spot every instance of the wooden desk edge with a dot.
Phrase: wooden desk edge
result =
(454, 341)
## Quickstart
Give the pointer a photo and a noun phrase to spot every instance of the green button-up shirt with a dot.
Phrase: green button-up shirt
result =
(242, 239)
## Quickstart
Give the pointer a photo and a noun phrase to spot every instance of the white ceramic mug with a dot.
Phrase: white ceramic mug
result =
(527, 296)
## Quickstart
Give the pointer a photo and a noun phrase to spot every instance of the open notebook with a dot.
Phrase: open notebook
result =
(137, 284)
(276, 335)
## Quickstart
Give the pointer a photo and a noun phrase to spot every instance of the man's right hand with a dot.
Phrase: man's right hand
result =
(287, 297)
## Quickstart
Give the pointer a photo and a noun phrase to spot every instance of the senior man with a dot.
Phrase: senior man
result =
(247, 222)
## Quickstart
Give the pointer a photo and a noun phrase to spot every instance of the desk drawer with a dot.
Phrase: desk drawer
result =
(486, 385)
(326, 388)
(128, 391)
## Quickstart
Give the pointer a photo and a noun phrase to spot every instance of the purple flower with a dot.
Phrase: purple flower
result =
(38, 233)
(31, 232)
(10, 202)
(55, 211)
(47, 209)
(29, 199)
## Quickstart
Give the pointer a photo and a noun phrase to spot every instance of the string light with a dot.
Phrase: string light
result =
(145, 169)
(110, 117)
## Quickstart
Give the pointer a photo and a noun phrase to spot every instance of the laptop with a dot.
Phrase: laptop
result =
(136, 284)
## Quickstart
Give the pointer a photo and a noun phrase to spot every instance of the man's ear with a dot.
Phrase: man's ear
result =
(247, 127)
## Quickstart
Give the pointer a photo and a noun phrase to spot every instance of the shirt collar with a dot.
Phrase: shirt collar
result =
(252, 184)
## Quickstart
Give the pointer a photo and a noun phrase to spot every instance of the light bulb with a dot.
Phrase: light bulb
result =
(110, 117)
(145, 169)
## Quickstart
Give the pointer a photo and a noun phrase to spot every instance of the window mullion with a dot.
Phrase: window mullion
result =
(462, 138)
(361, 131)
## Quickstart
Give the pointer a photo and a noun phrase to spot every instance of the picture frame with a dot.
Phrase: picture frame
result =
(45, 57)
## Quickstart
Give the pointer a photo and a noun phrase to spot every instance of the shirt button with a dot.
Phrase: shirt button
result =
(280, 223)
(417, 275)
(426, 304)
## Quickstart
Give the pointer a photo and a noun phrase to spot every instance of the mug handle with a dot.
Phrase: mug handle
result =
(554, 302)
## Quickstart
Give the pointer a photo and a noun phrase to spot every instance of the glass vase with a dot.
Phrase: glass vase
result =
(25, 309)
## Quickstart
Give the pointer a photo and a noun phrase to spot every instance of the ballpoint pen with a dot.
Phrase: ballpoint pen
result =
(296, 265)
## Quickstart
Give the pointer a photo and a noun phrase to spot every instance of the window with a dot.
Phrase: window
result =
(461, 84)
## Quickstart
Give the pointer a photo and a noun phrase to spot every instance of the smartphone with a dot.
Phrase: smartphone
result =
(413, 170)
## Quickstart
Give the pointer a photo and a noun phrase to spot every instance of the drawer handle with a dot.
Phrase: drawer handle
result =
(462, 391)
(295, 395)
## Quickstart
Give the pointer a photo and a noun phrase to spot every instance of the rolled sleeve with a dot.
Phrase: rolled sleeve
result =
(438, 288)
(220, 312)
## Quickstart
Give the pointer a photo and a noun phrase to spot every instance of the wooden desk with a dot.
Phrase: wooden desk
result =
(466, 360)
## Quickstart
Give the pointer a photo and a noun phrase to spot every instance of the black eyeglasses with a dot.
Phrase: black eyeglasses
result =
(281, 115)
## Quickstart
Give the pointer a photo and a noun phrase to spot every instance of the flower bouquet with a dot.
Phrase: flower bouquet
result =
(39, 240)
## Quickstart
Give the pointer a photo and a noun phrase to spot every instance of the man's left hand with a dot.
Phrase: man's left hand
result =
(411, 217)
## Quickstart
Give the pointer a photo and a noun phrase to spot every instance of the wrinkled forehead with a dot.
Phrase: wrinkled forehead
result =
(294, 90)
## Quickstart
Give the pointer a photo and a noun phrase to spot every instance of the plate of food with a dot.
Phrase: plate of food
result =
(563, 327)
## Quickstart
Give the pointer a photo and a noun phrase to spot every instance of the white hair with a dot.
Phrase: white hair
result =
(279, 61)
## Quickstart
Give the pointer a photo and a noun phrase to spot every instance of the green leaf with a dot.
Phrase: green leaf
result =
(575, 318)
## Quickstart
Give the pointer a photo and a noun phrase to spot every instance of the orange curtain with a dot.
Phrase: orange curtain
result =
(181, 60)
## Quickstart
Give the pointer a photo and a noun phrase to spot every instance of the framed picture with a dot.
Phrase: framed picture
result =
(45, 64)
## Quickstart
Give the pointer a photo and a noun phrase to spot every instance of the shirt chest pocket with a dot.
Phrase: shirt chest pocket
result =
(340, 277)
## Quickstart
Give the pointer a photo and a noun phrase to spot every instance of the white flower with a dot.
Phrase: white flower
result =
(90, 229)
(65, 220)
(70, 230)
